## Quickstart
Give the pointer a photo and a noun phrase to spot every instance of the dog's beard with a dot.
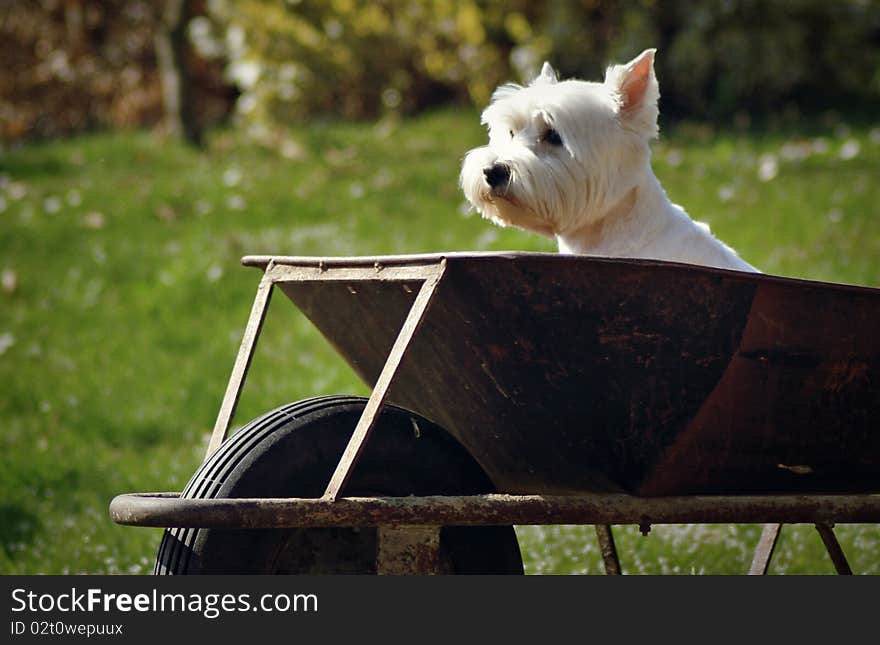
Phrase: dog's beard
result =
(506, 211)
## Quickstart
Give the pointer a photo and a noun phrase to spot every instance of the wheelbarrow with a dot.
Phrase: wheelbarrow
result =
(530, 388)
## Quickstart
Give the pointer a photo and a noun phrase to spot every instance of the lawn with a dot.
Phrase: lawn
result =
(122, 304)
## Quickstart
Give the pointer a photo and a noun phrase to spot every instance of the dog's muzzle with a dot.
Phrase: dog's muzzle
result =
(497, 175)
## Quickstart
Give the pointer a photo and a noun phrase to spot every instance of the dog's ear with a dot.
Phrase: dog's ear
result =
(546, 77)
(637, 91)
(505, 91)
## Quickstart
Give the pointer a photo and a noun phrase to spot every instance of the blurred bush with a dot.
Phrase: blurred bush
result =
(721, 58)
(718, 59)
(71, 64)
(363, 58)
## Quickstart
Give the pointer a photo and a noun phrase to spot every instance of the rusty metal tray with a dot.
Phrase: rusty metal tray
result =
(567, 374)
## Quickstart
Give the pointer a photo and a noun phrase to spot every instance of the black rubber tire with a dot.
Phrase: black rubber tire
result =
(292, 452)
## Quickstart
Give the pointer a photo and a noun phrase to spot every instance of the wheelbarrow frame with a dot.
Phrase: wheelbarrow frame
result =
(408, 528)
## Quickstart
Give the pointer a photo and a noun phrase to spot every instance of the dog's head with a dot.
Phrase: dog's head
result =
(561, 153)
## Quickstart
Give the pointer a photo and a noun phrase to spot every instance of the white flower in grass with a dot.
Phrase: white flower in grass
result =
(820, 145)
(292, 150)
(17, 190)
(356, 190)
(674, 158)
(850, 150)
(486, 239)
(768, 167)
(202, 207)
(51, 205)
(236, 203)
(795, 151)
(215, 272)
(8, 280)
(726, 193)
(94, 220)
(7, 340)
(232, 176)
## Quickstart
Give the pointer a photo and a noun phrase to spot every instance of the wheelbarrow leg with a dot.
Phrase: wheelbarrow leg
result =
(764, 550)
(608, 549)
(242, 362)
(826, 532)
(383, 385)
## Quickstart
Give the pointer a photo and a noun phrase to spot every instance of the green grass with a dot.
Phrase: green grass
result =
(123, 304)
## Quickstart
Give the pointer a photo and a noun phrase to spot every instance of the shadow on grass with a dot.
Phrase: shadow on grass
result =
(17, 525)
(27, 167)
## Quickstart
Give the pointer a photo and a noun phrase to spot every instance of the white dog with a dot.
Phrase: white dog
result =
(571, 159)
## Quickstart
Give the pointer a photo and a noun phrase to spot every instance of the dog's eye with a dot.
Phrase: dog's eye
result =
(552, 137)
(510, 132)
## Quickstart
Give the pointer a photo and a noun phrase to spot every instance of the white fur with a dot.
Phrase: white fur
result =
(595, 192)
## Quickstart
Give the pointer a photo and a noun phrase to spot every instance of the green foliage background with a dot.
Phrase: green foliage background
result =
(718, 59)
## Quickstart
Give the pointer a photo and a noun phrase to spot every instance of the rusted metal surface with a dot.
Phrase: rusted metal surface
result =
(409, 550)
(568, 374)
(764, 550)
(167, 509)
(608, 550)
(826, 532)
(380, 391)
(374, 272)
(242, 363)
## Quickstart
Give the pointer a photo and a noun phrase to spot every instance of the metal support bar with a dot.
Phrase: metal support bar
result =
(764, 550)
(826, 531)
(608, 549)
(242, 362)
(331, 273)
(380, 391)
(408, 550)
(167, 509)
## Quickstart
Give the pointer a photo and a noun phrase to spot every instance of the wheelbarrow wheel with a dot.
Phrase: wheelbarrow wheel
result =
(292, 452)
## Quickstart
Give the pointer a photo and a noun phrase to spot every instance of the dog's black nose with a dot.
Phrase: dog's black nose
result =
(497, 174)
